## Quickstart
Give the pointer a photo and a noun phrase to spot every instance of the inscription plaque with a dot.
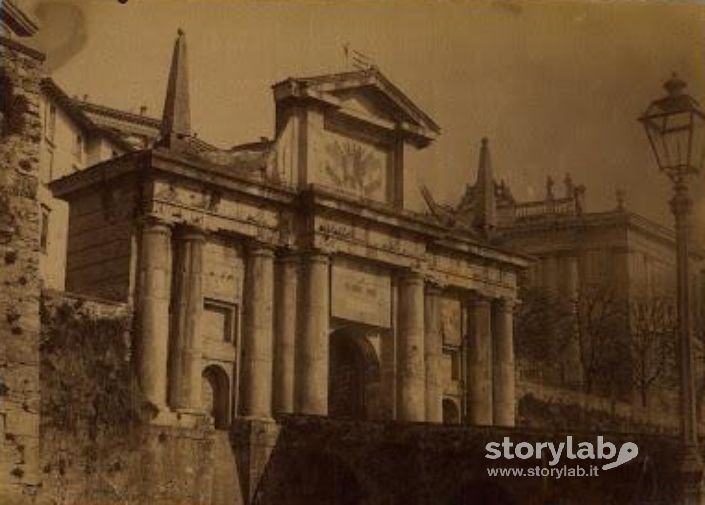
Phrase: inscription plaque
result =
(361, 293)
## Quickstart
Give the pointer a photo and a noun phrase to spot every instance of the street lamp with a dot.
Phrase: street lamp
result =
(675, 126)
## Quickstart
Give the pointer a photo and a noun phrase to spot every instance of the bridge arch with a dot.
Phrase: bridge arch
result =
(317, 478)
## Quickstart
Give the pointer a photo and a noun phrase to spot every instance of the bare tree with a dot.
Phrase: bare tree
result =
(542, 321)
(601, 316)
(591, 326)
(652, 344)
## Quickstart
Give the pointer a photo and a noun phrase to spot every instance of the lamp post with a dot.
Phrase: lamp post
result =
(675, 126)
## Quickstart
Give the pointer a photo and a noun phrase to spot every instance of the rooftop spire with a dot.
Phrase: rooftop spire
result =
(176, 118)
(485, 208)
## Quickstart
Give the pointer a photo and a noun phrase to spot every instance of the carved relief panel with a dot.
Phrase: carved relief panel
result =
(358, 167)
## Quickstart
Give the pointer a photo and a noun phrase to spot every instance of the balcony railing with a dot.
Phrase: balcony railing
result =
(560, 206)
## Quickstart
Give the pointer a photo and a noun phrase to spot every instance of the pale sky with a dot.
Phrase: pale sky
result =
(557, 86)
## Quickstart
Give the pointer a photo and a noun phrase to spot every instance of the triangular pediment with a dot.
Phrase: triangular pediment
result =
(372, 102)
(367, 92)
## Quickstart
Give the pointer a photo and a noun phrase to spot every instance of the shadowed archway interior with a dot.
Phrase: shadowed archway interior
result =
(353, 371)
(451, 413)
(215, 395)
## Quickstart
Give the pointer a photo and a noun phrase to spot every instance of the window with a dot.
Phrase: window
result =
(220, 321)
(44, 230)
(78, 148)
(453, 356)
(50, 125)
(50, 163)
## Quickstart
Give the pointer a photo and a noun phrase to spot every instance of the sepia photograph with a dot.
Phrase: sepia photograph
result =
(374, 252)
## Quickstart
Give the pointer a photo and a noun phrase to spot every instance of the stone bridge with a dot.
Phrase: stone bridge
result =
(320, 460)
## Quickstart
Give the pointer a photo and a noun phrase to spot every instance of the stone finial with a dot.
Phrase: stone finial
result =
(549, 188)
(176, 118)
(568, 181)
(579, 193)
(620, 194)
(485, 208)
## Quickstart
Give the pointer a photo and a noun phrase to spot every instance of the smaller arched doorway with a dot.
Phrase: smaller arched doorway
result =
(215, 393)
(451, 413)
(353, 375)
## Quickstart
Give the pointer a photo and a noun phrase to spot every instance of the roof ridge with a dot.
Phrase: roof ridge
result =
(115, 112)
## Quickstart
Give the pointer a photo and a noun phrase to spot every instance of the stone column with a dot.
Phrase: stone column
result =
(258, 329)
(312, 347)
(285, 332)
(479, 387)
(503, 363)
(412, 369)
(187, 348)
(433, 354)
(153, 310)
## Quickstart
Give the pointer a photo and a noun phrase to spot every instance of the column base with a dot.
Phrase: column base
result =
(180, 418)
(261, 419)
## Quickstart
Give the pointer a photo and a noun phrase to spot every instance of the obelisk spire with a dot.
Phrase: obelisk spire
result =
(485, 207)
(176, 118)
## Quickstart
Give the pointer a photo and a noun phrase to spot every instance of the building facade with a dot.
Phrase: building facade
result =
(613, 270)
(77, 134)
(287, 275)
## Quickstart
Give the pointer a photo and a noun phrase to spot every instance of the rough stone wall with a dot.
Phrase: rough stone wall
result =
(19, 280)
(97, 446)
(153, 465)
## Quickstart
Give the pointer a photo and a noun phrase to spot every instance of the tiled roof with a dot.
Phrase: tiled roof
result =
(115, 124)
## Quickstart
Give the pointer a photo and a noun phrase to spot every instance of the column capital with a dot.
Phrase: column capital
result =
(478, 299)
(505, 304)
(316, 256)
(260, 249)
(154, 224)
(433, 288)
(188, 232)
(288, 256)
(410, 276)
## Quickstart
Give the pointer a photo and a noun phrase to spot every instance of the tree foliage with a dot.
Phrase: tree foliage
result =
(619, 346)
(87, 377)
(90, 403)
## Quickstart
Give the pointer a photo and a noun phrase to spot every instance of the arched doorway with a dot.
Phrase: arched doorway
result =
(215, 394)
(451, 413)
(353, 374)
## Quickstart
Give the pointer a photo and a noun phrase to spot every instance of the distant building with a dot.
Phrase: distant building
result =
(77, 134)
(618, 253)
